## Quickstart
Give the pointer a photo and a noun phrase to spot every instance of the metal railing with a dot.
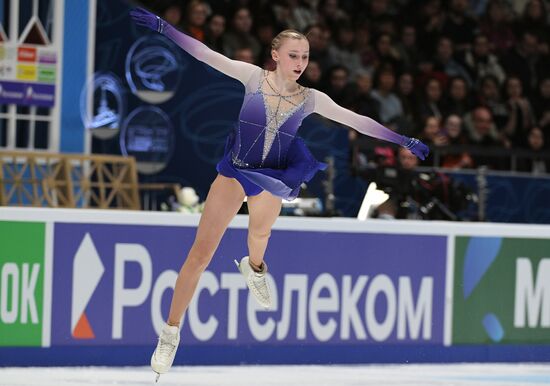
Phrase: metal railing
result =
(68, 180)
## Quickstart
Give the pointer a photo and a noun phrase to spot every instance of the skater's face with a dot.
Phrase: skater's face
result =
(292, 57)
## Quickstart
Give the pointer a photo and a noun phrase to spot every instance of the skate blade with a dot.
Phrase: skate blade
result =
(237, 264)
(157, 377)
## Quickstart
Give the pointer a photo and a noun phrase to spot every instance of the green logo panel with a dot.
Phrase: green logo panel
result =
(501, 291)
(46, 74)
(21, 283)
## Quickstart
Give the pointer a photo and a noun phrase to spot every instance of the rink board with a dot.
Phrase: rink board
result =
(82, 287)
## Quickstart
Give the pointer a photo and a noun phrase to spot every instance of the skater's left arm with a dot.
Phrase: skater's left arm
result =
(326, 107)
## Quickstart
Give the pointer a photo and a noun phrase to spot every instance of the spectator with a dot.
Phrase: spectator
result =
(495, 24)
(477, 8)
(195, 19)
(524, 61)
(406, 159)
(425, 71)
(338, 87)
(386, 26)
(535, 19)
(319, 38)
(520, 112)
(458, 26)
(431, 101)
(536, 164)
(431, 132)
(455, 137)
(343, 50)
(364, 47)
(399, 183)
(429, 24)
(445, 61)
(265, 31)
(480, 62)
(386, 53)
(378, 15)
(541, 106)
(481, 128)
(214, 32)
(239, 35)
(490, 97)
(390, 105)
(330, 14)
(244, 54)
(409, 101)
(518, 6)
(170, 11)
(312, 75)
(294, 14)
(363, 102)
(458, 99)
(407, 48)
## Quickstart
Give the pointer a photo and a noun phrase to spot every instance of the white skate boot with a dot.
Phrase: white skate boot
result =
(164, 354)
(256, 281)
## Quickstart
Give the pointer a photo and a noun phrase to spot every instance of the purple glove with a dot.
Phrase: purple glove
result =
(416, 147)
(147, 19)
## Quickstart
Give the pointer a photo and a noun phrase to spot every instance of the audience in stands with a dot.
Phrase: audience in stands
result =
(453, 72)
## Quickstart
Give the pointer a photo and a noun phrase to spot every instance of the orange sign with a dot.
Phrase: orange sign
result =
(26, 54)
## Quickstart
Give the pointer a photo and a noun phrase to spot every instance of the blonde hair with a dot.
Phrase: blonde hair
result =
(277, 41)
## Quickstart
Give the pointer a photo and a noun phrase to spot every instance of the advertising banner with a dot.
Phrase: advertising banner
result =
(27, 94)
(501, 291)
(21, 283)
(27, 75)
(112, 285)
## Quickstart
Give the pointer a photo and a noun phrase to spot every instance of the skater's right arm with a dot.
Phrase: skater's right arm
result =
(233, 68)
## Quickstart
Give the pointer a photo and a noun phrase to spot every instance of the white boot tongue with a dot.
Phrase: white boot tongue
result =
(171, 329)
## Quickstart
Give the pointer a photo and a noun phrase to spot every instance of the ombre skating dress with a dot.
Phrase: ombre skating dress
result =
(263, 152)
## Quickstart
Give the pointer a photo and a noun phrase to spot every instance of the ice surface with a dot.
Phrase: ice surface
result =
(380, 375)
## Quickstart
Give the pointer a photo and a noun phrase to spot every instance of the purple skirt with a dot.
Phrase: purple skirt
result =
(285, 183)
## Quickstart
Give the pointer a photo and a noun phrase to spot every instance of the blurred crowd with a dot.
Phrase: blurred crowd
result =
(454, 72)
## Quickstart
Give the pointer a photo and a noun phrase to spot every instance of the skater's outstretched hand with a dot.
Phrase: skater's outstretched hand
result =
(416, 147)
(147, 19)
(236, 69)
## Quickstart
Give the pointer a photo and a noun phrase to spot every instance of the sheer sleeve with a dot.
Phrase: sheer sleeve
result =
(326, 107)
(236, 69)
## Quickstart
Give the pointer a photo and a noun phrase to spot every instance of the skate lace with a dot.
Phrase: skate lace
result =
(260, 285)
(166, 347)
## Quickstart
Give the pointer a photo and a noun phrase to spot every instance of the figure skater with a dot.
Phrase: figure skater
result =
(264, 160)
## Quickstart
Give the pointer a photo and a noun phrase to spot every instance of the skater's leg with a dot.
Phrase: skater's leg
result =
(263, 210)
(223, 202)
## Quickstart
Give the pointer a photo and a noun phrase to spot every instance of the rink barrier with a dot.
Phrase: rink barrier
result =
(83, 287)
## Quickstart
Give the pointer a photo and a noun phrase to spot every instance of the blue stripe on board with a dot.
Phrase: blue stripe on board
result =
(269, 354)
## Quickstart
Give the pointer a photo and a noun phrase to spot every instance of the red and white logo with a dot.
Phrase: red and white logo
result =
(26, 54)
(87, 272)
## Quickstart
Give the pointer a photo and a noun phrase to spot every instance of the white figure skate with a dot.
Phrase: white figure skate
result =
(164, 354)
(256, 281)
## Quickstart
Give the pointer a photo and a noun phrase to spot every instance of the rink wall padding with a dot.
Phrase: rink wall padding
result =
(85, 287)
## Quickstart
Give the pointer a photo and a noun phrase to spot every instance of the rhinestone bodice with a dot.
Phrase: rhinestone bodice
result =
(268, 123)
